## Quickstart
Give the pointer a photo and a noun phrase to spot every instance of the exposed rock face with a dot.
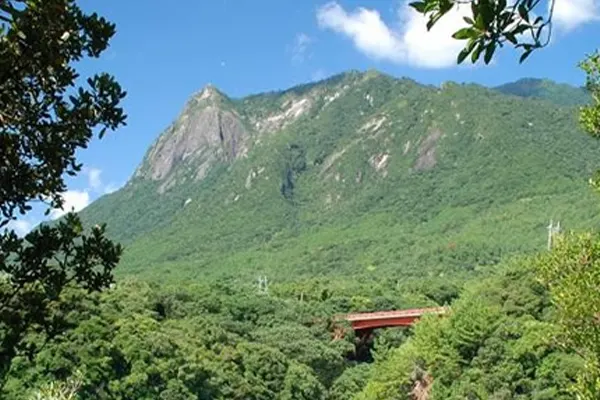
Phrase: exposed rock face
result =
(380, 162)
(427, 151)
(290, 111)
(210, 129)
(204, 134)
(373, 124)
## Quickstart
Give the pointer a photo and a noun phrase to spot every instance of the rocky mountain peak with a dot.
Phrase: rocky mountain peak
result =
(209, 130)
(209, 92)
(213, 129)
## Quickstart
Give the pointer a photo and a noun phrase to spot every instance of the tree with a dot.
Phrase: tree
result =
(590, 115)
(572, 270)
(494, 23)
(301, 384)
(60, 390)
(46, 115)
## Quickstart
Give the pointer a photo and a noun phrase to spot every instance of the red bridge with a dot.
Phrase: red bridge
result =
(384, 319)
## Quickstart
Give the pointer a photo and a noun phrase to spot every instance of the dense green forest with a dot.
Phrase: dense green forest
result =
(452, 218)
(362, 192)
(225, 340)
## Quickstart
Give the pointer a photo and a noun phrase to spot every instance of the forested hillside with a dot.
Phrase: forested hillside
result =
(362, 192)
(361, 173)
(544, 89)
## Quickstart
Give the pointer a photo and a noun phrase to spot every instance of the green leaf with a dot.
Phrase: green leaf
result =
(445, 6)
(479, 22)
(477, 52)
(487, 14)
(520, 29)
(419, 6)
(523, 12)
(462, 55)
(433, 20)
(510, 37)
(525, 55)
(489, 52)
(465, 33)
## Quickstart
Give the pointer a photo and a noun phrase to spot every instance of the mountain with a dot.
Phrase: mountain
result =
(358, 175)
(557, 93)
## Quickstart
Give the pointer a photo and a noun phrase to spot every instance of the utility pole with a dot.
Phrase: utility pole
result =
(552, 230)
(263, 285)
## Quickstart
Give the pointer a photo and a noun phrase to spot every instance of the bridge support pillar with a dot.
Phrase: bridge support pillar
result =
(363, 345)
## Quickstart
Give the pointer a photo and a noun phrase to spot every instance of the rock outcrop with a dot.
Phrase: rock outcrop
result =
(207, 132)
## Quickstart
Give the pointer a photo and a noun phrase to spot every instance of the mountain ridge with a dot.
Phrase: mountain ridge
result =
(544, 89)
(525, 87)
(330, 173)
(534, 88)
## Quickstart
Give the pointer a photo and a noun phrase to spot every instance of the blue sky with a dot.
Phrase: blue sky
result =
(164, 53)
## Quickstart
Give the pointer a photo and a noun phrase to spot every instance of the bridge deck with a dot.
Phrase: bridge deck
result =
(383, 319)
(417, 312)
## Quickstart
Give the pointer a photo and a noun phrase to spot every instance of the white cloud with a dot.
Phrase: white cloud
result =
(94, 180)
(569, 14)
(20, 226)
(301, 43)
(409, 44)
(74, 200)
(95, 183)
